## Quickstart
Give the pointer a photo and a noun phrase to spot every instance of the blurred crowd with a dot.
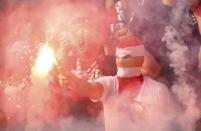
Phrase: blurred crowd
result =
(83, 34)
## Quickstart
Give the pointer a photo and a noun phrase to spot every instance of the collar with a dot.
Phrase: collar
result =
(129, 82)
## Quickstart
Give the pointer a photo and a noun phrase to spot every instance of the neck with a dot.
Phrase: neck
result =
(130, 79)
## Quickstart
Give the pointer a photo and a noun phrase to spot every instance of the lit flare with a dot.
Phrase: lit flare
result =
(45, 60)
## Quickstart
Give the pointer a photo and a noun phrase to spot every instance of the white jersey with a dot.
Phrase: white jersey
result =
(141, 113)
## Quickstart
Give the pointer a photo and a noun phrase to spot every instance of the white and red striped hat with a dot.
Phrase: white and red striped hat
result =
(130, 45)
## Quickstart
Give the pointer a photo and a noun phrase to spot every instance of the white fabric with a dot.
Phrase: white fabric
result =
(133, 51)
(120, 115)
(108, 81)
(128, 72)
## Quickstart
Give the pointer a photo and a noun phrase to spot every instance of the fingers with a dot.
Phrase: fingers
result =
(64, 80)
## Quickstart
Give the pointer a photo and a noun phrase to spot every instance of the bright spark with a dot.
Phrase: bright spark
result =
(45, 60)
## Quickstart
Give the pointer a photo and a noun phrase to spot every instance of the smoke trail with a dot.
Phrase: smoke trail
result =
(148, 24)
(182, 89)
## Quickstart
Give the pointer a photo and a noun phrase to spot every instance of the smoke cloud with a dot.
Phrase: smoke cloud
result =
(29, 103)
(183, 90)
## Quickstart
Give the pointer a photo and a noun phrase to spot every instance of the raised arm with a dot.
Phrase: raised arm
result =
(150, 66)
(92, 90)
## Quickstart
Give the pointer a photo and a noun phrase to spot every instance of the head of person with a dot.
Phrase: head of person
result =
(89, 36)
(129, 56)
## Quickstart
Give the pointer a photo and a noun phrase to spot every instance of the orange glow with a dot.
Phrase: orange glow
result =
(45, 60)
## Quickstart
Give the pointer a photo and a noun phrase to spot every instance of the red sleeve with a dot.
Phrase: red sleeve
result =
(198, 10)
